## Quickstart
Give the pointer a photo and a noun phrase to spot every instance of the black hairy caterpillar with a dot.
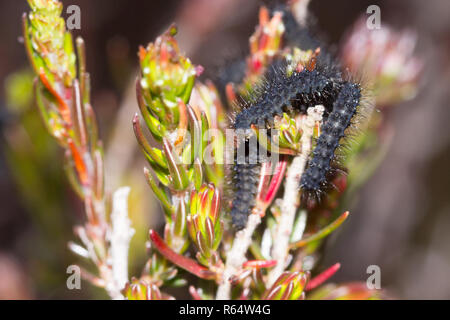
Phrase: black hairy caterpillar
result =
(344, 108)
(245, 178)
(281, 92)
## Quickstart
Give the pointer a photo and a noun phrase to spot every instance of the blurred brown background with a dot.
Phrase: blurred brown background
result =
(401, 218)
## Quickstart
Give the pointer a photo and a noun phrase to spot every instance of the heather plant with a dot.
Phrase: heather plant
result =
(182, 133)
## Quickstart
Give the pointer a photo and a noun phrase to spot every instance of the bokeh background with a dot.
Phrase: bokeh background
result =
(400, 221)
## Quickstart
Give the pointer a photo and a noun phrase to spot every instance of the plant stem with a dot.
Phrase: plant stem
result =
(121, 233)
(291, 201)
(236, 256)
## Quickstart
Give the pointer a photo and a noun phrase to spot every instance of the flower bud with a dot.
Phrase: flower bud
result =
(165, 76)
(386, 58)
